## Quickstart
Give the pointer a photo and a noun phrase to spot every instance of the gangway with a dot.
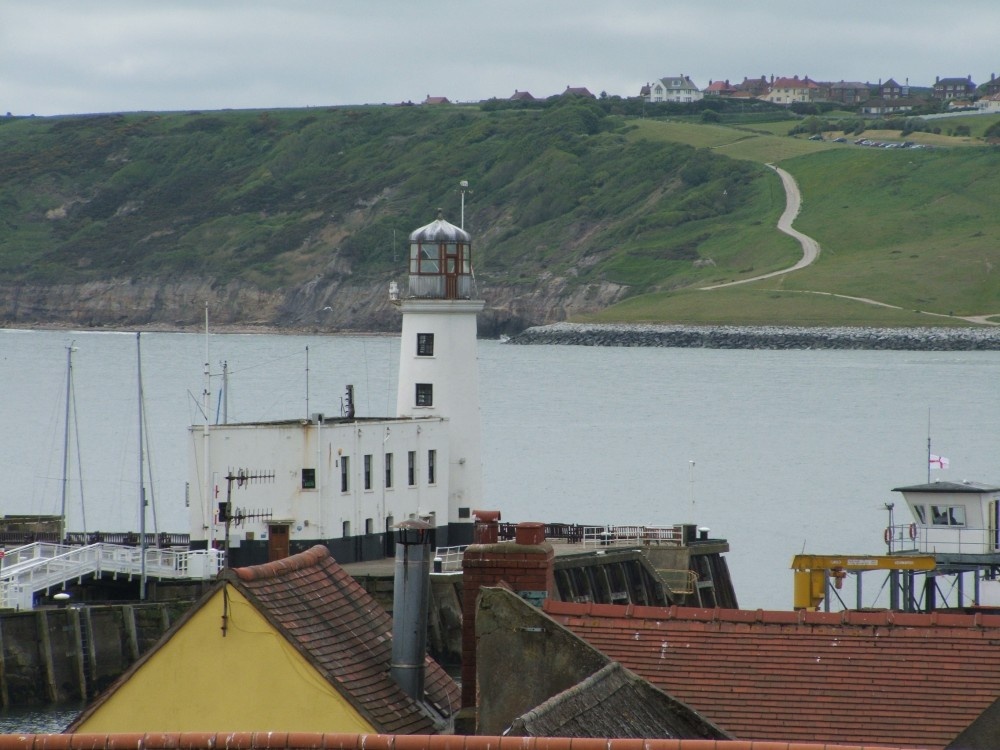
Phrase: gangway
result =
(42, 566)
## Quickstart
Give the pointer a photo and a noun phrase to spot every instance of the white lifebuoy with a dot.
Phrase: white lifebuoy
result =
(913, 531)
(888, 535)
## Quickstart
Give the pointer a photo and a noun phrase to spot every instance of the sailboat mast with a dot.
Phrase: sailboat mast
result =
(65, 469)
(142, 488)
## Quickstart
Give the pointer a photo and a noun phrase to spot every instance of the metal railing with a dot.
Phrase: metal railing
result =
(604, 536)
(954, 540)
(450, 557)
(42, 566)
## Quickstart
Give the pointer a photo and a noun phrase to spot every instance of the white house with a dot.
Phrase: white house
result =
(674, 89)
(271, 489)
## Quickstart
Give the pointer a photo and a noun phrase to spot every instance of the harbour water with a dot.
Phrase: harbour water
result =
(777, 451)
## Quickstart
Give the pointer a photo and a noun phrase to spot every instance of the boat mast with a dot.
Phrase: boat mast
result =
(65, 471)
(206, 409)
(142, 488)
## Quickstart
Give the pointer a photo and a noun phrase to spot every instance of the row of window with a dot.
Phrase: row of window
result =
(309, 475)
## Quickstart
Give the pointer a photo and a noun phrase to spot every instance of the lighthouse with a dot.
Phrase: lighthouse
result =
(438, 366)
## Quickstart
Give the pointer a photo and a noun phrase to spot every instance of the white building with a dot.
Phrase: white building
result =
(674, 89)
(345, 481)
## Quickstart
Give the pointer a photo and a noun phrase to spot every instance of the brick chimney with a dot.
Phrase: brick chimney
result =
(525, 565)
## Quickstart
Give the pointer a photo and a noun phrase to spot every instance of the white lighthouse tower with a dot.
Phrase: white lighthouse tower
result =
(438, 366)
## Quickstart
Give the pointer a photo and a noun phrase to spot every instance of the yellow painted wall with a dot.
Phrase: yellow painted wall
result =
(251, 679)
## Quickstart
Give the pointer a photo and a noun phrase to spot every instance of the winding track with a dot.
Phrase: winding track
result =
(811, 250)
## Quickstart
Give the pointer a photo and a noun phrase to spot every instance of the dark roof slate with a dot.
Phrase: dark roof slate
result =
(614, 703)
(853, 677)
(336, 625)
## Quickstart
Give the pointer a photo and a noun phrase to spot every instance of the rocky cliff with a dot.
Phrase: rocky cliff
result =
(321, 304)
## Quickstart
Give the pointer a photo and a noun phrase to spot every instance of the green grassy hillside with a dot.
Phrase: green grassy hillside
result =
(280, 199)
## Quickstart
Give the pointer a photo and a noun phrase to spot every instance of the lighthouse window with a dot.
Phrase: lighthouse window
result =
(309, 479)
(345, 473)
(411, 468)
(425, 394)
(388, 471)
(368, 471)
(431, 467)
(425, 344)
(429, 262)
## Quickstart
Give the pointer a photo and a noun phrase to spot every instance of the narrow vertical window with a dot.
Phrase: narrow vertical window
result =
(345, 473)
(411, 468)
(388, 470)
(431, 466)
(425, 344)
(369, 525)
(368, 471)
(425, 394)
(346, 530)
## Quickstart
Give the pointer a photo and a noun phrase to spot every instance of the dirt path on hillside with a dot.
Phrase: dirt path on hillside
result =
(811, 250)
(810, 247)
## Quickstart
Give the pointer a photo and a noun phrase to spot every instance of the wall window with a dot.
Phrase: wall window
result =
(425, 394)
(369, 525)
(921, 513)
(411, 468)
(948, 515)
(425, 344)
(309, 479)
(388, 470)
(431, 466)
(346, 529)
(368, 471)
(345, 474)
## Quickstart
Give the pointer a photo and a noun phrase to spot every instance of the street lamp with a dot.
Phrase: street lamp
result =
(464, 186)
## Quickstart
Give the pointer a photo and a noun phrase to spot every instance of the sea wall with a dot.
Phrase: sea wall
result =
(768, 337)
(69, 654)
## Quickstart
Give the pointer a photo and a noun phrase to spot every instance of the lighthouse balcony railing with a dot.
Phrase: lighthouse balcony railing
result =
(949, 540)
(438, 287)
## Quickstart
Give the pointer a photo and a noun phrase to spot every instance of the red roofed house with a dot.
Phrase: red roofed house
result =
(792, 90)
(291, 645)
(719, 88)
(915, 680)
(436, 100)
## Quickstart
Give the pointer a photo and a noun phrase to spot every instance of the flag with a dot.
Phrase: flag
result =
(938, 462)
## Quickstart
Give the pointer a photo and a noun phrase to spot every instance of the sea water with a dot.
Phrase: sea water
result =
(779, 452)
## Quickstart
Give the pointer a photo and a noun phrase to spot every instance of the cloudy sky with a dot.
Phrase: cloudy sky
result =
(77, 56)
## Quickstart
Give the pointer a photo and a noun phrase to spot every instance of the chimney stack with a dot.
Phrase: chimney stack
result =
(410, 597)
(525, 565)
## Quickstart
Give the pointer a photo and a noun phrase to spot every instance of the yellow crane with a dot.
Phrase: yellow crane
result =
(813, 571)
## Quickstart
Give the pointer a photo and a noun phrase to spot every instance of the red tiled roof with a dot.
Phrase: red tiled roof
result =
(310, 741)
(853, 677)
(346, 634)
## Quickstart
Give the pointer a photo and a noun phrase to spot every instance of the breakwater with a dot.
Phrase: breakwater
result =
(763, 337)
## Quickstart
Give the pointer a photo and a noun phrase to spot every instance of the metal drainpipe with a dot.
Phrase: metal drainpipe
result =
(410, 598)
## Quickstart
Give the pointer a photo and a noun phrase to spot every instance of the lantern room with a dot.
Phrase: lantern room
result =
(441, 262)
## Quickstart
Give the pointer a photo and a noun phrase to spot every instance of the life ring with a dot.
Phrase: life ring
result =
(913, 531)
(888, 535)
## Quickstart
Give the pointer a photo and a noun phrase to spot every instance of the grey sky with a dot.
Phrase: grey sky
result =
(74, 56)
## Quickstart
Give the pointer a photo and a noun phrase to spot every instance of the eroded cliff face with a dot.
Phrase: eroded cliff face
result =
(322, 304)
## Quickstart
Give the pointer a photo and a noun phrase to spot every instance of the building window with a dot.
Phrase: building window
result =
(346, 529)
(345, 473)
(388, 470)
(425, 394)
(411, 468)
(431, 466)
(425, 344)
(948, 515)
(309, 479)
(369, 525)
(368, 471)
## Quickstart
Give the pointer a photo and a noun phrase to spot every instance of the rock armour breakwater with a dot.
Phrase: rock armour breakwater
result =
(764, 337)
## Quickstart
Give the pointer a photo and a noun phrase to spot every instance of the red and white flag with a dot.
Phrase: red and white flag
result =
(938, 462)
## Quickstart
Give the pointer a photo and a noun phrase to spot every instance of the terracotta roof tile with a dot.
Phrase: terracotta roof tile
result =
(309, 741)
(346, 634)
(852, 677)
